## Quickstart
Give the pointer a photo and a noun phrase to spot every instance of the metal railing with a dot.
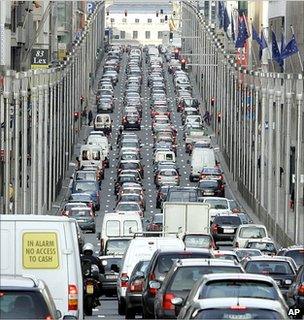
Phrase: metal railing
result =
(257, 118)
(39, 128)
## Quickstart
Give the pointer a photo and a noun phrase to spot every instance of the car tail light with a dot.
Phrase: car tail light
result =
(136, 286)
(222, 186)
(301, 290)
(49, 318)
(167, 304)
(73, 297)
(124, 279)
(214, 228)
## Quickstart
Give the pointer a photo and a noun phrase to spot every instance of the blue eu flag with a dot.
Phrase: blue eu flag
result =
(290, 49)
(276, 55)
(242, 34)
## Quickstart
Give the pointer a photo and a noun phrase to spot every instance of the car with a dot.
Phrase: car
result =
(236, 308)
(238, 285)
(82, 197)
(89, 175)
(134, 289)
(132, 207)
(226, 255)
(121, 179)
(65, 211)
(131, 165)
(295, 294)
(105, 105)
(89, 187)
(244, 253)
(85, 218)
(217, 205)
(130, 121)
(224, 226)
(132, 197)
(296, 252)
(156, 222)
(161, 195)
(201, 240)
(111, 264)
(211, 188)
(180, 279)
(266, 246)
(157, 269)
(25, 297)
(281, 269)
(246, 232)
(166, 176)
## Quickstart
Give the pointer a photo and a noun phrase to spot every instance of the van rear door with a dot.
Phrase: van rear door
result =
(7, 247)
(44, 253)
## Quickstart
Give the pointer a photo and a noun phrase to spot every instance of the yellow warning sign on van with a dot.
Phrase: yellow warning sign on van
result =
(40, 250)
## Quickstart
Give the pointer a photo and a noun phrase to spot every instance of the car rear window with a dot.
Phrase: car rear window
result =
(80, 213)
(208, 184)
(85, 186)
(22, 305)
(127, 224)
(296, 255)
(117, 246)
(237, 313)
(198, 241)
(269, 267)
(165, 261)
(182, 196)
(252, 232)
(227, 220)
(243, 288)
(107, 263)
(185, 277)
(217, 203)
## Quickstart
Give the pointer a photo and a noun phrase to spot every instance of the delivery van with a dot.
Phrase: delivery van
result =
(201, 157)
(164, 155)
(119, 225)
(45, 247)
(91, 155)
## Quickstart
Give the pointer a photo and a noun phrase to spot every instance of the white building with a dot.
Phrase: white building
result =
(139, 23)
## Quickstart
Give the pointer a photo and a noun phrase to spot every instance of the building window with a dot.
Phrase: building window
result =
(116, 36)
(112, 20)
(162, 20)
(148, 34)
(124, 20)
(135, 34)
(160, 35)
(149, 20)
(122, 34)
(136, 20)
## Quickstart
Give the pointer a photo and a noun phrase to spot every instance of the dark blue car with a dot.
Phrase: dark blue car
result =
(88, 187)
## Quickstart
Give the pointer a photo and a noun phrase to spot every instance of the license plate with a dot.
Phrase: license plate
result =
(90, 289)
(208, 193)
(111, 277)
(228, 231)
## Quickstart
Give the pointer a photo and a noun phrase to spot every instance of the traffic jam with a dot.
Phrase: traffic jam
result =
(160, 231)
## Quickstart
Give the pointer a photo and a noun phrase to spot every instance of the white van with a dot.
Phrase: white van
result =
(103, 143)
(247, 232)
(103, 122)
(119, 225)
(91, 155)
(141, 248)
(45, 247)
(164, 155)
(201, 157)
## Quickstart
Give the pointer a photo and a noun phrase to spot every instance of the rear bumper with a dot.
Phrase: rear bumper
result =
(134, 300)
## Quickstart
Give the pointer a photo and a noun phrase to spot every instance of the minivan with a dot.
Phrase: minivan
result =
(201, 157)
(46, 247)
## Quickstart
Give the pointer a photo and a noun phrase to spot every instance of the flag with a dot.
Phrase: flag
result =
(276, 55)
(226, 20)
(263, 44)
(220, 14)
(290, 49)
(255, 36)
(242, 34)
(232, 29)
(282, 42)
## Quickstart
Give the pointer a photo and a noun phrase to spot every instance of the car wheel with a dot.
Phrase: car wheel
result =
(121, 308)
(130, 314)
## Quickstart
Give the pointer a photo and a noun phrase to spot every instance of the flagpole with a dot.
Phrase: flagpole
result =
(270, 56)
(253, 53)
(299, 56)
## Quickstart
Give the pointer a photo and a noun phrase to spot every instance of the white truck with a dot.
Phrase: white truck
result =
(186, 217)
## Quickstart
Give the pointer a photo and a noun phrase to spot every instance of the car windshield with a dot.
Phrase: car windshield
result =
(296, 255)
(85, 186)
(22, 305)
(269, 267)
(185, 277)
(241, 314)
(217, 203)
(227, 220)
(252, 232)
(77, 213)
(243, 288)
(128, 207)
(197, 241)
(117, 246)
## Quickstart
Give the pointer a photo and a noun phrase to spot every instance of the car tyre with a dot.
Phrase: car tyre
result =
(191, 178)
(130, 314)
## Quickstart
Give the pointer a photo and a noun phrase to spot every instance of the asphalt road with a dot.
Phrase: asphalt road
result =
(108, 308)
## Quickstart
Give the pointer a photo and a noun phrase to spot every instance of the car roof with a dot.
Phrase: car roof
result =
(237, 276)
(164, 251)
(18, 281)
(206, 262)
(270, 258)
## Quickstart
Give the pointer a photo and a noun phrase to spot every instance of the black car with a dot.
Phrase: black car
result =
(131, 122)
(212, 187)
(157, 269)
(223, 227)
(112, 265)
(281, 269)
(161, 195)
(295, 294)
